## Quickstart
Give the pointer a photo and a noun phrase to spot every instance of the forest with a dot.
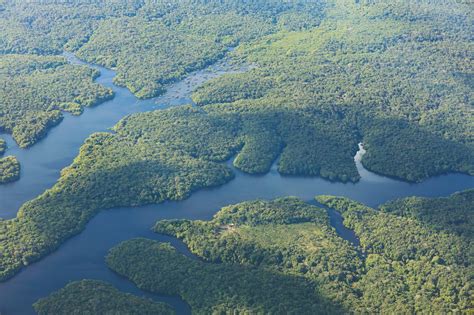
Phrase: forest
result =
(213, 288)
(397, 81)
(97, 297)
(324, 77)
(283, 256)
(442, 214)
(148, 43)
(428, 268)
(35, 89)
(410, 260)
(9, 169)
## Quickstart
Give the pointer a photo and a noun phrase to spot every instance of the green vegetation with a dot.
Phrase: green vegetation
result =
(396, 75)
(389, 75)
(453, 214)
(34, 89)
(411, 265)
(149, 43)
(3, 146)
(415, 263)
(97, 297)
(9, 169)
(163, 41)
(213, 288)
(284, 236)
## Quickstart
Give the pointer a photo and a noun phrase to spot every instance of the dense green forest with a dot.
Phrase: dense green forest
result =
(397, 75)
(285, 236)
(3, 146)
(415, 261)
(324, 77)
(409, 264)
(9, 169)
(35, 89)
(453, 214)
(149, 43)
(97, 297)
(214, 288)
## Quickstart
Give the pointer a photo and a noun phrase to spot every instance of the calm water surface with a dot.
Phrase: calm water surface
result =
(83, 256)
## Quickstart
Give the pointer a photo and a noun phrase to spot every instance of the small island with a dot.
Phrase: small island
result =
(3, 146)
(9, 169)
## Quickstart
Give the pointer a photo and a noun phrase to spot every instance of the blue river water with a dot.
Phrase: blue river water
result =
(83, 255)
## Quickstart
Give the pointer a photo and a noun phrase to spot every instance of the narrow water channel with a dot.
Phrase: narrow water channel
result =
(83, 256)
(42, 163)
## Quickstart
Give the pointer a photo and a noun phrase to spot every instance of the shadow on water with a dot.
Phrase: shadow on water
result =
(82, 257)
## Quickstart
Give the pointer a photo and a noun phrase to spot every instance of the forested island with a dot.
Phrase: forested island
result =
(9, 166)
(283, 256)
(9, 169)
(3, 146)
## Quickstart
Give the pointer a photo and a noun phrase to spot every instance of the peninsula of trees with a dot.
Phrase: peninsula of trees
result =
(97, 297)
(35, 89)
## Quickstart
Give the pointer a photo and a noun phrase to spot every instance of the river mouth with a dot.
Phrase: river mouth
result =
(83, 255)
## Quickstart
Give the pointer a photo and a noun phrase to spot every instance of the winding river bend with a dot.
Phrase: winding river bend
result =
(83, 256)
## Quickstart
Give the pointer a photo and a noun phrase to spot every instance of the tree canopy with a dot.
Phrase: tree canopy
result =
(35, 89)
(409, 263)
(9, 169)
(324, 77)
(98, 297)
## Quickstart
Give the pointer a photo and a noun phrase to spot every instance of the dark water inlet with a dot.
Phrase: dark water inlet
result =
(337, 222)
(83, 256)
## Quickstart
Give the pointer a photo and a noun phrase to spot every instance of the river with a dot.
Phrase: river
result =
(83, 255)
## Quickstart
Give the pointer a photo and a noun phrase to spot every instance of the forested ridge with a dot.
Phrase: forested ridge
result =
(410, 264)
(97, 297)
